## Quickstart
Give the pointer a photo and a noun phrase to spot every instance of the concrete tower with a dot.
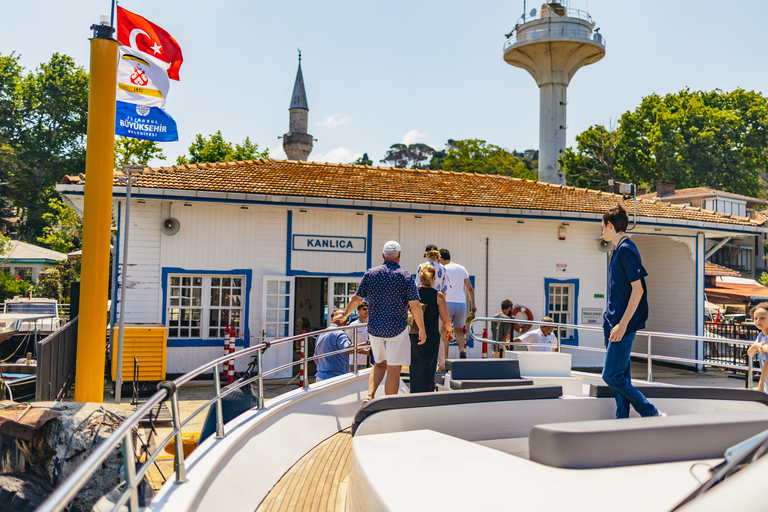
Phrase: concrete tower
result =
(297, 143)
(552, 45)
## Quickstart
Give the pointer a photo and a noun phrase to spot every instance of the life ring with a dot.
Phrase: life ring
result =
(521, 328)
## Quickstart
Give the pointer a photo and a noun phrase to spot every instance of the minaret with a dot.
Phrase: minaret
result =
(552, 47)
(297, 143)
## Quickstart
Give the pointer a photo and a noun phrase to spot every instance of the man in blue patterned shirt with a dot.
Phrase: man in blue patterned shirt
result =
(390, 291)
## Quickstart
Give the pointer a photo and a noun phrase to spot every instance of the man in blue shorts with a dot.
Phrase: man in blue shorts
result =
(390, 291)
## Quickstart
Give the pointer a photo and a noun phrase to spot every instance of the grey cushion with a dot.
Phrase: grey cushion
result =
(462, 369)
(694, 392)
(610, 443)
(455, 397)
(489, 383)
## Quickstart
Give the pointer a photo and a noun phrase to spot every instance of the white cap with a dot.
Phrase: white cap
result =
(391, 247)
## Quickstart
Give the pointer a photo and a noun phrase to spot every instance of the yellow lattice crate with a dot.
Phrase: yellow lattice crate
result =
(147, 342)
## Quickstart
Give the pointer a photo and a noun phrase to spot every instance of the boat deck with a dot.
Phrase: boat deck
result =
(317, 482)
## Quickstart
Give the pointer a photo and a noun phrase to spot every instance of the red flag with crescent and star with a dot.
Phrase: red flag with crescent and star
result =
(143, 35)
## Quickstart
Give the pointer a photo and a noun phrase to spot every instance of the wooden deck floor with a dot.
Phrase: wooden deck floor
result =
(317, 482)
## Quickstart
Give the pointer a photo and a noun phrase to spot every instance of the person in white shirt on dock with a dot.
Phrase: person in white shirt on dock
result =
(362, 335)
(542, 335)
(458, 281)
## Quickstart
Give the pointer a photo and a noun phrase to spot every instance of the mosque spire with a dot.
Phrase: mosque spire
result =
(297, 143)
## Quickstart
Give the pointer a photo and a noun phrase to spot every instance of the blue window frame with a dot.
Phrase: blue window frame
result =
(198, 303)
(561, 298)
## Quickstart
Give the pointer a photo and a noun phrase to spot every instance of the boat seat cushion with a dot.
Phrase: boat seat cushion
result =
(690, 392)
(465, 396)
(475, 369)
(611, 443)
(488, 383)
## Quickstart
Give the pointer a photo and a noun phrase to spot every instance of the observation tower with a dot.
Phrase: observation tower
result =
(552, 44)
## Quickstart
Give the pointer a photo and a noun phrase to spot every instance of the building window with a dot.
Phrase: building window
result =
(24, 273)
(200, 306)
(734, 257)
(560, 306)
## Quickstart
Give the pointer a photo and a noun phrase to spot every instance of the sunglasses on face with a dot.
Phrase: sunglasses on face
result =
(363, 309)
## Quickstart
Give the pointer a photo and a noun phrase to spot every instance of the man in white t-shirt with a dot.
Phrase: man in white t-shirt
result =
(540, 336)
(458, 281)
(362, 334)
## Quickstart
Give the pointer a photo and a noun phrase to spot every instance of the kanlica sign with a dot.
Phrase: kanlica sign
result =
(324, 243)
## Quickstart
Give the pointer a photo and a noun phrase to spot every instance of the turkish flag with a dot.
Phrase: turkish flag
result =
(143, 35)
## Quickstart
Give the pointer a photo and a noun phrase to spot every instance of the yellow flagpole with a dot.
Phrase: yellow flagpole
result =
(97, 216)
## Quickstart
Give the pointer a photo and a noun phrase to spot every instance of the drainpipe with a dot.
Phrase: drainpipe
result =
(715, 248)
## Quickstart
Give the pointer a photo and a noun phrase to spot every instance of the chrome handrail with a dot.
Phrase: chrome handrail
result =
(67, 491)
(649, 334)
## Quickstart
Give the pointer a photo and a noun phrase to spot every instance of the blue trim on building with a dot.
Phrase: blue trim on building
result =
(696, 303)
(116, 255)
(547, 281)
(214, 342)
(306, 273)
(407, 210)
(289, 230)
(369, 256)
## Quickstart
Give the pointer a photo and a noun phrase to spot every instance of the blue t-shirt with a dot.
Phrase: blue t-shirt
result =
(388, 289)
(625, 268)
(337, 364)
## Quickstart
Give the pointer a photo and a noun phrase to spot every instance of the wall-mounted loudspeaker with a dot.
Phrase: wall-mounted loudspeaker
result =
(604, 246)
(171, 226)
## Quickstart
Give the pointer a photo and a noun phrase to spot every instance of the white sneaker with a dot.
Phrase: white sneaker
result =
(661, 414)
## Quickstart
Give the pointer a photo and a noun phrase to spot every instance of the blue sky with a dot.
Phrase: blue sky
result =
(381, 72)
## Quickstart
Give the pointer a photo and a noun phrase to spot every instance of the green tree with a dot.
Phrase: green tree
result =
(5, 244)
(363, 160)
(216, 149)
(693, 138)
(476, 155)
(43, 121)
(130, 151)
(48, 284)
(593, 163)
(10, 286)
(404, 156)
(64, 231)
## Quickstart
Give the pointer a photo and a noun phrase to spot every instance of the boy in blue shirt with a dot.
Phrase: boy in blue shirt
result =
(760, 317)
(625, 314)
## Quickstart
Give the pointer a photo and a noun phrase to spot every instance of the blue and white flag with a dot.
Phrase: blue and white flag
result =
(145, 122)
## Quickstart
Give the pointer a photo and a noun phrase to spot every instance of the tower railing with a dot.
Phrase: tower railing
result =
(553, 32)
(555, 13)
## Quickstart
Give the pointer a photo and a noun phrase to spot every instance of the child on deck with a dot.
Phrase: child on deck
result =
(760, 317)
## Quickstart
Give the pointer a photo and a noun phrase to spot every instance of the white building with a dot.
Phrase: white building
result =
(269, 245)
(27, 260)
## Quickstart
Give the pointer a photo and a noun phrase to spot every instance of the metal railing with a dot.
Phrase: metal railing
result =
(728, 352)
(122, 436)
(555, 13)
(535, 35)
(649, 356)
(56, 357)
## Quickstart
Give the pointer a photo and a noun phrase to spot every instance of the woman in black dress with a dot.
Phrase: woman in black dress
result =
(424, 356)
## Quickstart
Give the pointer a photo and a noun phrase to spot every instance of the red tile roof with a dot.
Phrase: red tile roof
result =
(428, 187)
(713, 269)
(702, 191)
(736, 291)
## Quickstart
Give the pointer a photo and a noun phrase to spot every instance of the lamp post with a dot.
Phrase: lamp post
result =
(129, 180)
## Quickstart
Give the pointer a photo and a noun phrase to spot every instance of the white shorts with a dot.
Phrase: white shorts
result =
(396, 351)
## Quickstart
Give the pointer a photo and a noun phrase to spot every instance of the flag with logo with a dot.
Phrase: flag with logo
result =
(144, 122)
(141, 79)
(143, 35)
